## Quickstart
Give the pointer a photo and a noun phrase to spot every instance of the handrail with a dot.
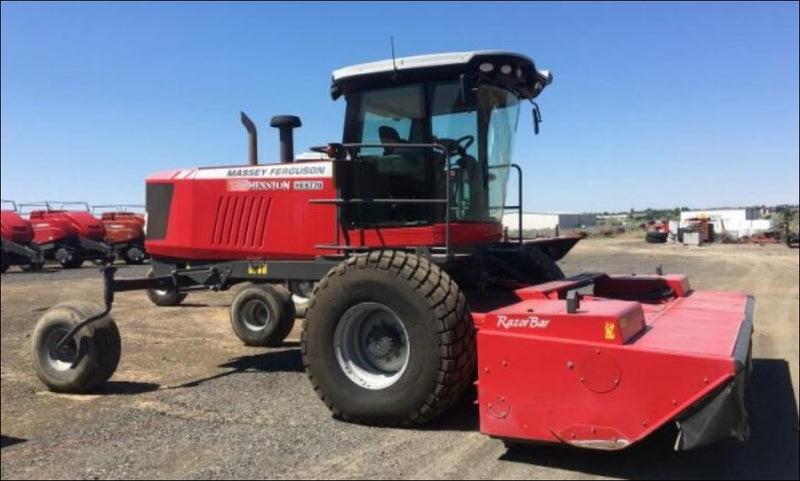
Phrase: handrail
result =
(519, 197)
(49, 203)
(340, 202)
(377, 201)
(446, 200)
(118, 207)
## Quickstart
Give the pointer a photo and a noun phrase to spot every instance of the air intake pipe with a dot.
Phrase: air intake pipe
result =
(252, 137)
(285, 125)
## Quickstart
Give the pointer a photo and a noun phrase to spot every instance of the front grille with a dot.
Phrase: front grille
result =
(240, 221)
(159, 200)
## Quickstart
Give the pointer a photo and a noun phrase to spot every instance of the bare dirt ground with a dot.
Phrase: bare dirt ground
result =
(190, 401)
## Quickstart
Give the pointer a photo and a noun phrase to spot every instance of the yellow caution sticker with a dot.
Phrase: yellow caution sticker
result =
(611, 331)
(259, 270)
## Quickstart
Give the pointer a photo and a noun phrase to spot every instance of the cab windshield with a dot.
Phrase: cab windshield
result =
(475, 126)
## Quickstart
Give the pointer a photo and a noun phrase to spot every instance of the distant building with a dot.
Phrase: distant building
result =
(734, 222)
(544, 221)
(622, 218)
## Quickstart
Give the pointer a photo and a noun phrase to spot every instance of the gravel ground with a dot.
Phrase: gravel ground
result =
(190, 401)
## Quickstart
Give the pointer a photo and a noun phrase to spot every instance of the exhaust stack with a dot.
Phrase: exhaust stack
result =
(252, 137)
(285, 125)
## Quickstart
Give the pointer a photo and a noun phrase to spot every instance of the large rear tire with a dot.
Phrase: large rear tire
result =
(164, 297)
(83, 363)
(537, 266)
(262, 315)
(388, 339)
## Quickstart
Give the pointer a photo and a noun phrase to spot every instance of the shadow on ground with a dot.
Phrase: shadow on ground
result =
(6, 441)
(463, 416)
(125, 388)
(44, 270)
(770, 453)
(288, 360)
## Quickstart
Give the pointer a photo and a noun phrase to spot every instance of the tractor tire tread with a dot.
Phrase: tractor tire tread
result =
(455, 329)
(104, 347)
(284, 310)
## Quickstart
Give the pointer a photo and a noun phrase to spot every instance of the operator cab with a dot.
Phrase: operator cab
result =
(466, 103)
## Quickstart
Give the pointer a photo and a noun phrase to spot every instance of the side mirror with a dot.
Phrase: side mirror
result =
(537, 118)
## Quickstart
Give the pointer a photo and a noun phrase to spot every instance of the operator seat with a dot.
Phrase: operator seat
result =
(389, 135)
(404, 171)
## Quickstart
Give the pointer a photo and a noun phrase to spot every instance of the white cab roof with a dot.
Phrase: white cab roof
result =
(419, 61)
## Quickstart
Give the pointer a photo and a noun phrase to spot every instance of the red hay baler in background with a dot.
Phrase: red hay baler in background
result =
(18, 247)
(125, 230)
(399, 226)
(67, 232)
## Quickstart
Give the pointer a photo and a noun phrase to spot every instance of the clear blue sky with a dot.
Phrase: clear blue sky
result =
(653, 105)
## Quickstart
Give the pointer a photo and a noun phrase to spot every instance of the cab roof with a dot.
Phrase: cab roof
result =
(511, 70)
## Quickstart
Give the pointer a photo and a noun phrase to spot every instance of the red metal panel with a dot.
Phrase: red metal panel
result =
(49, 227)
(222, 218)
(706, 322)
(561, 383)
(84, 223)
(601, 321)
(15, 228)
(611, 286)
(562, 390)
(272, 217)
(123, 226)
(460, 233)
(547, 290)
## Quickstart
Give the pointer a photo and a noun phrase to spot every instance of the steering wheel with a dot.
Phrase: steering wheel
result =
(454, 146)
(469, 139)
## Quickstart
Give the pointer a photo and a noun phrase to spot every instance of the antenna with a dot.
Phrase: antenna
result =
(394, 63)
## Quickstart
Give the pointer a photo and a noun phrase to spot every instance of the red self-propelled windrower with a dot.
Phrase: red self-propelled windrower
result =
(391, 243)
